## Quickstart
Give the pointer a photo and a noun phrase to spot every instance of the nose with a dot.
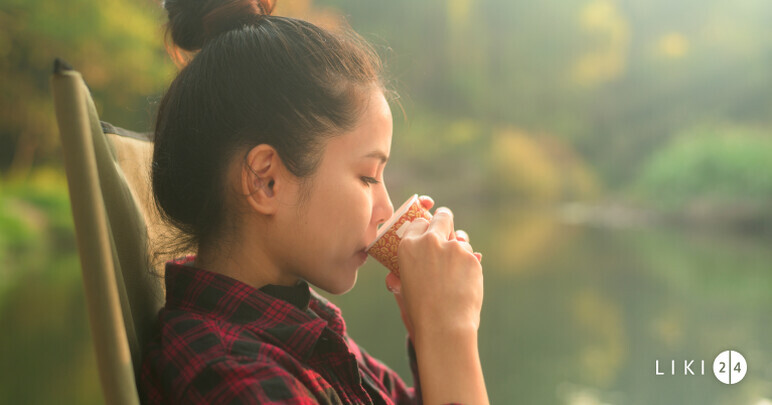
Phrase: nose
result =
(383, 208)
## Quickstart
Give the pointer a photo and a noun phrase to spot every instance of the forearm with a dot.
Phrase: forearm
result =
(450, 369)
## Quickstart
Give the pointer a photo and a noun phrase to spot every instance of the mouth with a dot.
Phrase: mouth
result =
(367, 246)
(369, 243)
(362, 257)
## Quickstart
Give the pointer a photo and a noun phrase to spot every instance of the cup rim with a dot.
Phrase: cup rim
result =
(394, 218)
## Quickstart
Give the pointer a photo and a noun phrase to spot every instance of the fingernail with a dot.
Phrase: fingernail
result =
(462, 235)
(426, 197)
(479, 256)
(443, 209)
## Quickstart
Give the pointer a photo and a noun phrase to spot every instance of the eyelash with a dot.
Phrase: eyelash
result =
(370, 180)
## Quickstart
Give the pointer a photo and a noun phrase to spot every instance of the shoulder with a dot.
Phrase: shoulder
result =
(196, 358)
(227, 379)
(197, 333)
(209, 338)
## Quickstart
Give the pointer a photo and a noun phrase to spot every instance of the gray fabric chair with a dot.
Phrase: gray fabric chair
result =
(115, 224)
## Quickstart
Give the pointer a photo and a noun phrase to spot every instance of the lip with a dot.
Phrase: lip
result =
(368, 246)
(362, 256)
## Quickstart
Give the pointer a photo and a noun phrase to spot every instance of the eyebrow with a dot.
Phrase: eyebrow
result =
(378, 155)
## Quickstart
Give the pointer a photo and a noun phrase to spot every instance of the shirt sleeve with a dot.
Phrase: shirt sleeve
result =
(228, 381)
(414, 370)
(387, 380)
(395, 387)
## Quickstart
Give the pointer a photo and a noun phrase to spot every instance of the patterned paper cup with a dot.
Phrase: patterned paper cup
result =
(384, 248)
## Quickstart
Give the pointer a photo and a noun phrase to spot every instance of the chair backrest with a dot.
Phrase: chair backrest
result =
(109, 193)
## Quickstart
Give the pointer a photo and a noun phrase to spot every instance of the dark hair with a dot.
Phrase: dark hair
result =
(255, 79)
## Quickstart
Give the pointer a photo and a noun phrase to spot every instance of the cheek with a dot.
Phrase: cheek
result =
(334, 204)
(351, 207)
(342, 206)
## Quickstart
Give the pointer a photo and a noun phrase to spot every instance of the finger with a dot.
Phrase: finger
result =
(442, 223)
(416, 227)
(393, 283)
(462, 235)
(426, 202)
(466, 246)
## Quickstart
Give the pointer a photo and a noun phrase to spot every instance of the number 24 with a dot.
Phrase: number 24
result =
(723, 366)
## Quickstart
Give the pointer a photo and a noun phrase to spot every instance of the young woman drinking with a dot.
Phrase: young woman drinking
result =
(270, 147)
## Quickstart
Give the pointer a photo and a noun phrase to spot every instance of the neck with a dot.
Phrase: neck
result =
(245, 262)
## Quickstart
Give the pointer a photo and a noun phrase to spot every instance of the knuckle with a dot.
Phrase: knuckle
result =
(458, 247)
(407, 242)
(418, 223)
(462, 247)
(433, 239)
(415, 228)
(469, 259)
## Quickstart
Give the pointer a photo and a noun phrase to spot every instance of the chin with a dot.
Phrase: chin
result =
(338, 286)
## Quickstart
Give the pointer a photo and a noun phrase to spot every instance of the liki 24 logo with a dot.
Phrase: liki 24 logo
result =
(729, 367)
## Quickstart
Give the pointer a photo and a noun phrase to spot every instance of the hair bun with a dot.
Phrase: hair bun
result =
(193, 22)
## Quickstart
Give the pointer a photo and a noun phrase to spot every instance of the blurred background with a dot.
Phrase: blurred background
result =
(612, 160)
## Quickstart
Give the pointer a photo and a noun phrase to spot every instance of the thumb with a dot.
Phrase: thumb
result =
(393, 283)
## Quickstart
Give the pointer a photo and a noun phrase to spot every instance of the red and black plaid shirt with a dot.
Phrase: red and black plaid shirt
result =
(223, 341)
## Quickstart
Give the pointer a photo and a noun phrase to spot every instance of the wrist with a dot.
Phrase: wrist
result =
(456, 334)
(448, 362)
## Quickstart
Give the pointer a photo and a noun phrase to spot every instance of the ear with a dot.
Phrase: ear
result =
(260, 179)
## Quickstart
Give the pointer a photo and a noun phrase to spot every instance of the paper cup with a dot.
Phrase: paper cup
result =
(384, 248)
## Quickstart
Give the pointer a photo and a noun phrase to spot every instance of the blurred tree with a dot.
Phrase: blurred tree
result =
(116, 44)
(726, 165)
(608, 59)
(538, 168)
(613, 79)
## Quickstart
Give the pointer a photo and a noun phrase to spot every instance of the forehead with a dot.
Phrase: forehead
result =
(373, 131)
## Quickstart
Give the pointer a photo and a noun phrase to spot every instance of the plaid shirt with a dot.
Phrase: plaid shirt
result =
(223, 341)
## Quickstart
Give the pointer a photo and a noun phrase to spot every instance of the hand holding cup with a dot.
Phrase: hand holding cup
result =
(435, 253)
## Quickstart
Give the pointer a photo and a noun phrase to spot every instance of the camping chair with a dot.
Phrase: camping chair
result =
(108, 176)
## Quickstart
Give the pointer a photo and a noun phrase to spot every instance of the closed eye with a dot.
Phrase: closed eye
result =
(370, 180)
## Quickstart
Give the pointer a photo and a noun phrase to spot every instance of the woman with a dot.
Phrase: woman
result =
(270, 147)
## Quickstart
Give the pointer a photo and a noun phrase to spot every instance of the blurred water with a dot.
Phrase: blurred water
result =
(572, 315)
(579, 315)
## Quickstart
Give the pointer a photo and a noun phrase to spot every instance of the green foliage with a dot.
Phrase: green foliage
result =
(613, 79)
(35, 226)
(720, 164)
(116, 44)
(42, 310)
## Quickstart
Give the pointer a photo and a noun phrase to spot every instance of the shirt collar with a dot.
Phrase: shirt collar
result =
(298, 295)
(278, 314)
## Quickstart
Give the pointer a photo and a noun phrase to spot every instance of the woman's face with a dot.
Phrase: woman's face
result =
(325, 240)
